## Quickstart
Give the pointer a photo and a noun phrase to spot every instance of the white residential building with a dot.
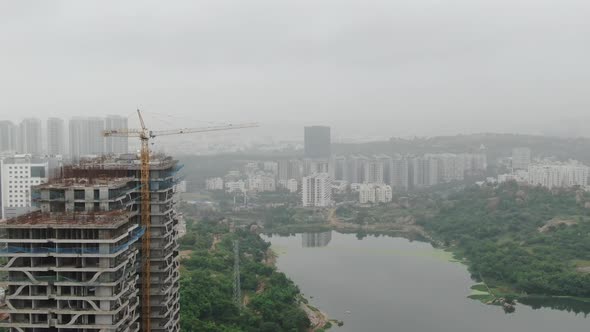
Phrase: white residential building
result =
(17, 175)
(355, 187)
(261, 183)
(233, 186)
(214, 184)
(317, 190)
(375, 193)
(366, 193)
(519, 176)
(558, 176)
(383, 193)
(292, 185)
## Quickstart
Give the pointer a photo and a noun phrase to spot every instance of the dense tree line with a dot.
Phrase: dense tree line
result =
(499, 231)
(207, 285)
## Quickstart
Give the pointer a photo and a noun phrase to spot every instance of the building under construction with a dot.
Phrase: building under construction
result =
(74, 265)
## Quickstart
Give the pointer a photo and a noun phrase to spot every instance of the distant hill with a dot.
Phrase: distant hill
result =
(498, 145)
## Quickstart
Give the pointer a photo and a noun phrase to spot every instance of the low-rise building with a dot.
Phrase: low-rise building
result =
(375, 193)
(235, 186)
(214, 184)
(261, 183)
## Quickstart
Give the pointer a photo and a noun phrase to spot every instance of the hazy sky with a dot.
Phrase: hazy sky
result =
(409, 67)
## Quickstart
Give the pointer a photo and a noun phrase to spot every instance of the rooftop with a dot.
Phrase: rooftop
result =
(110, 219)
(61, 183)
(125, 161)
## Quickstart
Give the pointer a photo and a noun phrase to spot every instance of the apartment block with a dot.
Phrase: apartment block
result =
(18, 174)
(165, 308)
(317, 190)
(73, 265)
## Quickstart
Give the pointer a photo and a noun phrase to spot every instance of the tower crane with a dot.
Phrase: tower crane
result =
(145, 135)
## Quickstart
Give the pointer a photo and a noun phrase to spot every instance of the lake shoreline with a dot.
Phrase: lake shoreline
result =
(419, 234)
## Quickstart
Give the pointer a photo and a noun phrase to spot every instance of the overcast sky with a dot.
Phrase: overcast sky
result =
(384, 68)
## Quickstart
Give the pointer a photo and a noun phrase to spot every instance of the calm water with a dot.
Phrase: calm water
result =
(392, 284)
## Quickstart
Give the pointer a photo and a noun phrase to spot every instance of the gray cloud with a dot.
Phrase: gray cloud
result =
(411, 67)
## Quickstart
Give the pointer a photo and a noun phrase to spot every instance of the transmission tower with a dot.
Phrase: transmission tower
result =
(237, 284)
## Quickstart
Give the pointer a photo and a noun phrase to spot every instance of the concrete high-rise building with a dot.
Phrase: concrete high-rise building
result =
(7, 137)
(73, 265)
(165, 275)
(338, 168)
(289, 169)
(96, 140)
(78, 139)
(451, 167)
(355, 168)
(400, 173)
(56, 144)
(18, 174)
(387, 162)
(373, 171)
(317, 142)
(425, 172)
(116, 145)
(86, 137)
(29, 134)
(521, 158)
(317, 190)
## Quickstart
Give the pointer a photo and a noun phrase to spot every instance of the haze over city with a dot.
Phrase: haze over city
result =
(294, 166)
(379, 68)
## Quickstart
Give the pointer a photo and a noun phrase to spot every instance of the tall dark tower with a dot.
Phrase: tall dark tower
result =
(317, 142)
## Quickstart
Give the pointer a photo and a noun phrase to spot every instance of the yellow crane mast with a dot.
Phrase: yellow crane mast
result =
(145, 135)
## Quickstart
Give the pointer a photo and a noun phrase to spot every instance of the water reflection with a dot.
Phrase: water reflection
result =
(563, 304)
(381, 283)
(314, 240)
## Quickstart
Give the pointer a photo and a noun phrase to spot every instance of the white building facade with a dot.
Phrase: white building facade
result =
(317, 190)
(17, 175)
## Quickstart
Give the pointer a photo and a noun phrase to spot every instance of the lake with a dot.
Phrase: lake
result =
(393, 284)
